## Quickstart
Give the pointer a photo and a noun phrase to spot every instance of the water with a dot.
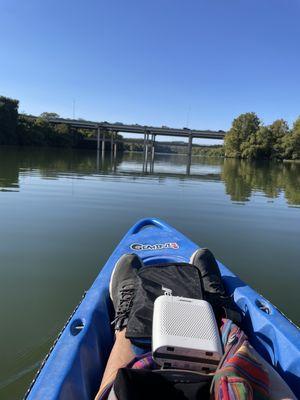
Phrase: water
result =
(63, 212)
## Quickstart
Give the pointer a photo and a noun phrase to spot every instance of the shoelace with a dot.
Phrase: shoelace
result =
(124, 307)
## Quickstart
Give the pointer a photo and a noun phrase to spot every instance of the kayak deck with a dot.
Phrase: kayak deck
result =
(74, 367)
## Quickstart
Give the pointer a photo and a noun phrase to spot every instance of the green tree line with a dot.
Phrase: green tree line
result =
(16, 129)
(23, 130)
(249, 138)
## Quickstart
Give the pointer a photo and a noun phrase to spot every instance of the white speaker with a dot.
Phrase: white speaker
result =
(185, 334)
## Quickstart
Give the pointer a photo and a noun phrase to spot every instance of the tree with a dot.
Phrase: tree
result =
(243, 127)
(49, 115)
(259, 144)
(280, 130)
(8, 120)
(292, 142)
(247, 138)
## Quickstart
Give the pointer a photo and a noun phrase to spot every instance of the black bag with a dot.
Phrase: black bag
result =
(137, 384)
(176, 279)
(202, 282)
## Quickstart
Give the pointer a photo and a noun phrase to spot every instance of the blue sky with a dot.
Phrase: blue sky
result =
(162, 62)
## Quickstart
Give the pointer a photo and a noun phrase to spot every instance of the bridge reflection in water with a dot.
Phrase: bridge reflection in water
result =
(148, 160)
(241, 178)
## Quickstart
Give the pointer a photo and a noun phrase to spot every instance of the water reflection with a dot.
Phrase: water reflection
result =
(72, 207)
(241, 178)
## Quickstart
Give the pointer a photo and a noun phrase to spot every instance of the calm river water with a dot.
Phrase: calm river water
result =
(63, 212)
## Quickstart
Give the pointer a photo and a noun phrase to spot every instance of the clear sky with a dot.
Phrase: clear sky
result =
(195, 63)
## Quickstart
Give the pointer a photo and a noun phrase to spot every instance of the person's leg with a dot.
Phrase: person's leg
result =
(214, 290)
(122, 290)
(121, 354)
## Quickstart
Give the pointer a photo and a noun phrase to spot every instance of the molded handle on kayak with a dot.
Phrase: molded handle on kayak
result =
(143, 223)
(76, 326)
(263, 306)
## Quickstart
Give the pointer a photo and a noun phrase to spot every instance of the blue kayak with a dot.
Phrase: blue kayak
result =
(75, 364)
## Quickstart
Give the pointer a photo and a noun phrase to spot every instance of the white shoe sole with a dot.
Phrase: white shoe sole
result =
(111, 277)
(193, 256)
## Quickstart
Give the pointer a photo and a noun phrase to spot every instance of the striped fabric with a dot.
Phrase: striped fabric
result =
(240, 375)
(233, 388)
(145, 362)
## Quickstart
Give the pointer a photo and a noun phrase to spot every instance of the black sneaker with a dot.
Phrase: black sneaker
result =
(122, 288)
(214, 291)
(213, 288)
(208, 267)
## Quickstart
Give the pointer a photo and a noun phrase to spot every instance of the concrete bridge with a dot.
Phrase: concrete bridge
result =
(149, 133)
(139, 129)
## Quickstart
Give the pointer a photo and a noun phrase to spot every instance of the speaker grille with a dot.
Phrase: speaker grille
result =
(188, 320)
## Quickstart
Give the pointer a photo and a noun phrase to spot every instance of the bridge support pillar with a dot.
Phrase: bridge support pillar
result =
(152, 153)
(115, 145)
(189, 154)
(153, 147)
(98, 138)
(146, 141)
(111, 142)
(190, 145)
(146, 147)
(103, 143)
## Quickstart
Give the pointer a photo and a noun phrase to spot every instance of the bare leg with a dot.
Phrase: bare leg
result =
(121, 354)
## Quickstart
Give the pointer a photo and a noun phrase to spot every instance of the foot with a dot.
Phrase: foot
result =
(213, 288)
(208, 267)
(122, 288)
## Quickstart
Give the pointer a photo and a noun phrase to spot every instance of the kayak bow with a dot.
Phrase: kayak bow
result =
(74, 366)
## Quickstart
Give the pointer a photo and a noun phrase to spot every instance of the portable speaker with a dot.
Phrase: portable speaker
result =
(185, 334)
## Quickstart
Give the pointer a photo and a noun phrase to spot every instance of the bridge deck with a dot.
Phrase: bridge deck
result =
(139, 129)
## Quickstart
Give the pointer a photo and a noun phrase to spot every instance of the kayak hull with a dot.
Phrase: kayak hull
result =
(74, 366)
